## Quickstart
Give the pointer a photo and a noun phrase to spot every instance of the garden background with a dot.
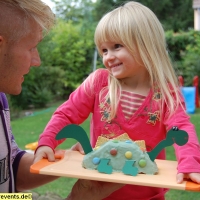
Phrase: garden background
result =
(68, 55)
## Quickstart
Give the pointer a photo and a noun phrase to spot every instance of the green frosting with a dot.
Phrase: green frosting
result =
(119, 162)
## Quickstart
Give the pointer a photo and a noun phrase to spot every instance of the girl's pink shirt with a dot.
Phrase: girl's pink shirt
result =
(146, 124)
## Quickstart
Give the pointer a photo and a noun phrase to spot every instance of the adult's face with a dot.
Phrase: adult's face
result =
(16, 60)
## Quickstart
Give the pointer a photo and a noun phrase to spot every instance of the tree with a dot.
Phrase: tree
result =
(75, 11)
(174, 15)
(72, 52)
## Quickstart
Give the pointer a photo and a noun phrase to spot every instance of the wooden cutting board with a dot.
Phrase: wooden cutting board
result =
(68, 164)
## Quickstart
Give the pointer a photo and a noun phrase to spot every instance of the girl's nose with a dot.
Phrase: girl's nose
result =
(110, 56)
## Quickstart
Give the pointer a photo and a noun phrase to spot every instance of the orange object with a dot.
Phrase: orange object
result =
(192, 186)
(59, 154)
(32, 146)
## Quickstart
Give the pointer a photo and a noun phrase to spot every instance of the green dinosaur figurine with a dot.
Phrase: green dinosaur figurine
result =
(104, 165)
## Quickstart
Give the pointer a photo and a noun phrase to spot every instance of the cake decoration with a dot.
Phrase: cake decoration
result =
(121, 154)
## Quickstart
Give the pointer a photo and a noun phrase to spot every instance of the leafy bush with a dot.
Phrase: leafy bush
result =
(40, 87)
(73, 52)
(71, 47)
(184, 49)
(191, 60)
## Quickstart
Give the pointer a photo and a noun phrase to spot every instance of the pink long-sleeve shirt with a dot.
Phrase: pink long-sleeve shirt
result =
(147, 123)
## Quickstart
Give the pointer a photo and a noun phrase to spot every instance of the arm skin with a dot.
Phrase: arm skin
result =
(26, 180)
(92, 190)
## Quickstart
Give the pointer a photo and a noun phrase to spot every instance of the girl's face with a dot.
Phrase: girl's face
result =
(118, 60)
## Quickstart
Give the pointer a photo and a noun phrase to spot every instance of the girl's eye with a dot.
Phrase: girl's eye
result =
(118, 46)
(104, 50)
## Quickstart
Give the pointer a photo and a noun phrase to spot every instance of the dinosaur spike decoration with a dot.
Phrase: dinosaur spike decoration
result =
(144, 163)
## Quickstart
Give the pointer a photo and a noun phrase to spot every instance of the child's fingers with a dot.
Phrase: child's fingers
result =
(44, 152)
(195, 177)
(78, 147)
(37, 158)
(179, 178)
(51, 156)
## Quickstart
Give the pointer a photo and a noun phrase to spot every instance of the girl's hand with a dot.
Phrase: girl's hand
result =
(78, 147)
(195, 177)
(44, 152)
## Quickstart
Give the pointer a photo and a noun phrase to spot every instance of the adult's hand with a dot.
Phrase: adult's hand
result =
(92, 190)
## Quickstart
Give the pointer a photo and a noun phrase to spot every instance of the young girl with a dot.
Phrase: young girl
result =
(137, 93)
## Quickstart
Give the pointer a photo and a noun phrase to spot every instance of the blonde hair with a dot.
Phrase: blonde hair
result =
(138, 29)
(15, 17)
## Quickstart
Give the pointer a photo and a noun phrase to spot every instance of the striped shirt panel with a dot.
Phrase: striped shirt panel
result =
(130, 102)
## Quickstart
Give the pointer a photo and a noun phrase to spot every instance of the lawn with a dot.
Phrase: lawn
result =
(27, 130)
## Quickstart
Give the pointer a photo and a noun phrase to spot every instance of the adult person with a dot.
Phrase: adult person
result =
(23, 24)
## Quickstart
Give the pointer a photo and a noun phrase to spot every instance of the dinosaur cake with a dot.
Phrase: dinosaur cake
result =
(121, 155)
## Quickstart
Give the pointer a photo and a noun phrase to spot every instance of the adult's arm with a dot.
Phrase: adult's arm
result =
(92, 190)
(25, 180)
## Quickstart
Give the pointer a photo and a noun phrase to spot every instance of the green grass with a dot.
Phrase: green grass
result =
(28, 129)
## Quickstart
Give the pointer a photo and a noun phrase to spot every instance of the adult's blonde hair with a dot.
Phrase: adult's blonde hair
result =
(137, 28)
(16, 15)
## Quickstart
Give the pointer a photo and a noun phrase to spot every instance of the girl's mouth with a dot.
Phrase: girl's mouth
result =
(113, 66)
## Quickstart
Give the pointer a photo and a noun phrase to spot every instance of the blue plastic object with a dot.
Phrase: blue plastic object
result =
(189, 96)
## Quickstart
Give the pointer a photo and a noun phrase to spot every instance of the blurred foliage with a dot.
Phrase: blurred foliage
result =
(191, 59)
(40, 87)
(172, 14)
(73, 52)
(184, 49)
